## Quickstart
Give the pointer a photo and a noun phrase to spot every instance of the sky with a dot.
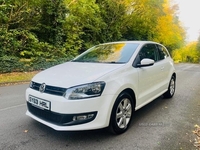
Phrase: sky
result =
(189, 11)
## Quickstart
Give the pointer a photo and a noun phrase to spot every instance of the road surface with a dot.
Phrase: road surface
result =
(164, 124)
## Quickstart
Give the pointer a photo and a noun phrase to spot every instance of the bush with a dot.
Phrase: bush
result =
(42, 63)
(17, 46)
(14, 64)
(10, 64)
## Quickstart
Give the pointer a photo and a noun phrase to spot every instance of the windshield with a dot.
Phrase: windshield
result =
(108, 53)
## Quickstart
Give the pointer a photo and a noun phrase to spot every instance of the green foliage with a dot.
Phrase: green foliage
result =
(42, 63)
(15, 64)
(143, 18)
(83, 25)
(17, 14)
(24, 44)
(113, 15)
(52, 17)
(52, 31)
(10, 64)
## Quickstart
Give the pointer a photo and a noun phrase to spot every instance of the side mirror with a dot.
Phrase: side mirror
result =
(146, 62)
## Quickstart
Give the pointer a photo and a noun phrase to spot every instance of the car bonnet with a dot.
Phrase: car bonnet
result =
(74, 73)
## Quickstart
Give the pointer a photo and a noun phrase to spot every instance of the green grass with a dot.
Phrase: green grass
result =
(16, 77)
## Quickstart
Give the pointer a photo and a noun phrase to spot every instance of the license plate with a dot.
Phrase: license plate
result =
(40, 103)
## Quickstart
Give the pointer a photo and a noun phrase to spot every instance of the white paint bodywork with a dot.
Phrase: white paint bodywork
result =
(147, 83)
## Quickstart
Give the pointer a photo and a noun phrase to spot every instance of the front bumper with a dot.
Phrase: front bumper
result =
(62, 113)
(61, 119)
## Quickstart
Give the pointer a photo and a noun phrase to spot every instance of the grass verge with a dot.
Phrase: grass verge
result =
(16, 77)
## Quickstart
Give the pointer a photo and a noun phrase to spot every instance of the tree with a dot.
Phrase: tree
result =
(50, 27)
(198, 47)
(83, 25)
(16, 14)
(168, 29)
(142, 19)
(54, 29)
(188, 53)
(198, 43)
(113, 14)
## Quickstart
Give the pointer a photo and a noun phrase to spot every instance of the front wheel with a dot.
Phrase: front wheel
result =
(121, 114)
(171, 89)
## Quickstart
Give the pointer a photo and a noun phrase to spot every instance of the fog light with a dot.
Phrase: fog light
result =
(83, 117)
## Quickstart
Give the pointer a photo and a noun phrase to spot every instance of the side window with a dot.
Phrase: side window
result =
(148, 51)
(162, 52)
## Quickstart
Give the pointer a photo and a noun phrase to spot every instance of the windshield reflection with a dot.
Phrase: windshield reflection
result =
(108, 53)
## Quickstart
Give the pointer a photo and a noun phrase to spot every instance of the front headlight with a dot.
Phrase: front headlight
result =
(85, 91)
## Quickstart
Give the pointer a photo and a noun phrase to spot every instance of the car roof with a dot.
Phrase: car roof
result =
(138, 42)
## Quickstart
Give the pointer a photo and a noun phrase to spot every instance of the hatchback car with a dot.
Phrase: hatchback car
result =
(102, 87)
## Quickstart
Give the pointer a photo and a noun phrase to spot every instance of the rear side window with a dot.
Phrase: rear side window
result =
(162, 52)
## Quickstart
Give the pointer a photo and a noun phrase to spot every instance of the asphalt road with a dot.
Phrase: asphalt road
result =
(164, 124)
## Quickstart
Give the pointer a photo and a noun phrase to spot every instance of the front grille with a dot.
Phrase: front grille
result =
(59, 91)
(57, 118)
(35, 86)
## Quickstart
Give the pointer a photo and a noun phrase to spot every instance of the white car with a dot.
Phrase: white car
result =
(102, 87)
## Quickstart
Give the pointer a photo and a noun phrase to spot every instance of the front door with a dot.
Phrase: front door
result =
(149, 77)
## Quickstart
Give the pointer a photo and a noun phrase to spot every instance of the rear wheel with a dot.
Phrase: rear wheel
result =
(171, 89)
(121, 114)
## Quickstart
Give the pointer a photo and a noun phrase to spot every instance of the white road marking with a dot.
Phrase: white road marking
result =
(12, 107)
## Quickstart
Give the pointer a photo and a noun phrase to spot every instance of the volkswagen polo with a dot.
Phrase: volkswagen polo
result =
(102, 87)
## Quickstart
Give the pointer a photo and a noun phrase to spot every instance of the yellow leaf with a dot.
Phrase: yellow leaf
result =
(25, 131)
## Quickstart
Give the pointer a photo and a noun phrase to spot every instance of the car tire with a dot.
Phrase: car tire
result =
(122, 113)
(171, 88)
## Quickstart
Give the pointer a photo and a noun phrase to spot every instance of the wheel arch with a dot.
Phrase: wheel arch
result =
(174, 74)
(132, 94)
(113, 128)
